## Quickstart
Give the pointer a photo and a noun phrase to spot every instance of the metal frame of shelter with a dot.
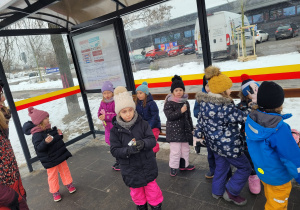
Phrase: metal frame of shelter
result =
(111, 18)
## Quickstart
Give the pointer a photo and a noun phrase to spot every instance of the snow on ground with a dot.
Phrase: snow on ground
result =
(29, 85)
(58, 109)
(197, 68)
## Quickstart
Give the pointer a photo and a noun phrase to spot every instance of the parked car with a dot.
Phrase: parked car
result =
(156, 53)
(190, 48)
(33, 74)
(261, 36)
(139, 62)
(286, 30)
(176, 50)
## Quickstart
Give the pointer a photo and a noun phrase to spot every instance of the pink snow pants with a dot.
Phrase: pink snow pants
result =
(156, 132)
(65, 176)
(150, 193)
(179, 150)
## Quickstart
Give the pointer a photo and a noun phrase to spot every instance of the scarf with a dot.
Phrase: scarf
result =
(38, 129)
(127, 125)
(183, 99)
(108, 101)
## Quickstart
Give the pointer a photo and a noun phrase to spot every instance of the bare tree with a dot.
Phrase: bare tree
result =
(65, 71)
(7, 55)
(148, 16)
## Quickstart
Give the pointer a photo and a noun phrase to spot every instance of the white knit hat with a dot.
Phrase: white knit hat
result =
(123, 99)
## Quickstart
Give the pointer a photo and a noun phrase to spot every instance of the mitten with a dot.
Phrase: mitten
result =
(140, 144)
(132, 150)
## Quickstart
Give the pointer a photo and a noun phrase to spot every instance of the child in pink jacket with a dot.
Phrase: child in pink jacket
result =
(106, 112)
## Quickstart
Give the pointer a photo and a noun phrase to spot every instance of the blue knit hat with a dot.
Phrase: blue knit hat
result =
(246, 81)
(144, 88)
(107, 85)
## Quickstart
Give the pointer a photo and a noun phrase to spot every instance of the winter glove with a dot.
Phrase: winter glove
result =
(132, 150)
(140, 144)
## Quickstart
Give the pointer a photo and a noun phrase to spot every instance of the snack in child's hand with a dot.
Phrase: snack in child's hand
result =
(103, 112)
(132, 142)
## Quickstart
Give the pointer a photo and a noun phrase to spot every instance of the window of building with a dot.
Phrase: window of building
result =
(275, 14)
(250, 20)
(288, 11)
(177, 36)
(258, 18)
(163, 39)
(157, 40)
(298, 9)
(187, 34)
(193, 32)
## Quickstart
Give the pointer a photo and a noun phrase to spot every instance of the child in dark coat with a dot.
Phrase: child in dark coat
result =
(132, 142)
(50, 149)
(106, 113)
(247, 88)
(218, 123)
(148, 110)
(272, 147)
(179, 126)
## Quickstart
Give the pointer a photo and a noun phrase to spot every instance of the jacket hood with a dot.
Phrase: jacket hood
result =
(260, 125)
(212, 98)
(149, 97)
(27, 127)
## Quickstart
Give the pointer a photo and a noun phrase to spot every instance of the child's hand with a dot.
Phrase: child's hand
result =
(102, 117)
(59, 132)
(48, 139)
(184, 108)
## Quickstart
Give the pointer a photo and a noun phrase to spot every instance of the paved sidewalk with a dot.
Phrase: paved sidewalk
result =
(100, 187)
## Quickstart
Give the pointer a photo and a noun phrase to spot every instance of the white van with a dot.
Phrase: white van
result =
(223, 35)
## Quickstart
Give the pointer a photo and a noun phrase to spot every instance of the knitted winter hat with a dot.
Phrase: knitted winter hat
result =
(107, 85)
(270, 95)
(246, 81)
(123, 99)
(296, 135)
(177, 83)
(218, 82)
(204, 84)
(37, 116)
(144, 88)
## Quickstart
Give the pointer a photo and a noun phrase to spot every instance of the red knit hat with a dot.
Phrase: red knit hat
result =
(37, 116)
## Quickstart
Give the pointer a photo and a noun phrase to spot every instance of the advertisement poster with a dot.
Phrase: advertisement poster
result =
(99, 58)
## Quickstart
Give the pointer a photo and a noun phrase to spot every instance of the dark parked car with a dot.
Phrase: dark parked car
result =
(286, 30)
(33, 74)
(139, 62)
(190, 48)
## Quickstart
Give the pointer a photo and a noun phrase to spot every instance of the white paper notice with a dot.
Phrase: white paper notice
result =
(99, 58)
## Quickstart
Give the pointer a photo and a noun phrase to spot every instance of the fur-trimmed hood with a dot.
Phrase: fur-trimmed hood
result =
(212, 98)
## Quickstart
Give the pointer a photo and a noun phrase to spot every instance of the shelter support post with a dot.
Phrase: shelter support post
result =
(16, 118)
(204, 33)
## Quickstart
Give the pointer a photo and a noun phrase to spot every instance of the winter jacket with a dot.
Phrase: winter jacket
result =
(197, 105)
(150, 112)
(137, 169)
(12, 192)
(51, 154)
(218, 123)
(179, 125)
(109, 109)
(272, 148)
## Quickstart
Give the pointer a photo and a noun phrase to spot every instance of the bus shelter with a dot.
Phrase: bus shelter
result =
(86, 22)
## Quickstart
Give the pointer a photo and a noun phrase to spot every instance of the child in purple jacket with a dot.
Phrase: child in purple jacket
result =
(106, 112)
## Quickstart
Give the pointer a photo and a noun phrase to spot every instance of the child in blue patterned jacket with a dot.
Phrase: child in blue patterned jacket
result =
(218, 123)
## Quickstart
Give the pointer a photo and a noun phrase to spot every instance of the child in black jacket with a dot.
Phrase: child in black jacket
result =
(50, 149)
(132, 142)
